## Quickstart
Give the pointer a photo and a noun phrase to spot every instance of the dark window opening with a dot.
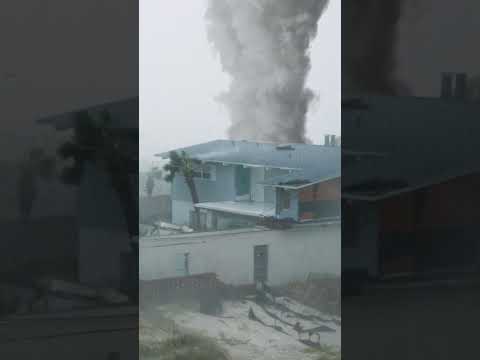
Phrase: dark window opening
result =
(283, 200)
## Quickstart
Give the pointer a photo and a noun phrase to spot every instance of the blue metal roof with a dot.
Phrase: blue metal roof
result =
(307, 163)
(124, 114)
(397, 144)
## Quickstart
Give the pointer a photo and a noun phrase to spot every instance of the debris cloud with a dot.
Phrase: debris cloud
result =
(264, 46)
(369, 42)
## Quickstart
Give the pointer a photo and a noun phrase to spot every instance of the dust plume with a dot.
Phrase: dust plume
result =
(264, 46)
(369, 39)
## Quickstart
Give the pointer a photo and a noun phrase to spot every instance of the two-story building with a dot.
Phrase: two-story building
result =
(410, 209)
(241, 182)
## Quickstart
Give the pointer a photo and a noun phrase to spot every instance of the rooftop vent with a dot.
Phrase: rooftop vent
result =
(327, 140)
(446, 85)
(454, 85)
(285, 147)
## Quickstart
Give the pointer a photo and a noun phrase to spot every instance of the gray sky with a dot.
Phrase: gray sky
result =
(436, 36)
(180, 75)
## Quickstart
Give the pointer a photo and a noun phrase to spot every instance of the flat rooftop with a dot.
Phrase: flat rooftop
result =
(247, 208)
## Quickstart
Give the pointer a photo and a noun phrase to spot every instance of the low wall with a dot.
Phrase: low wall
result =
(168, 289)
(292, 253)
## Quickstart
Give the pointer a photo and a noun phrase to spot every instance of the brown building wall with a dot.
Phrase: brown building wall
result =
(320, 200)
(328, 190)
(432, 227)
(452, 203)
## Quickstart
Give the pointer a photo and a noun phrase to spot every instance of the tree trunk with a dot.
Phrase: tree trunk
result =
(193, 193)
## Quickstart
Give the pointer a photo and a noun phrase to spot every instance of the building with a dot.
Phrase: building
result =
(241, 182)
(106, 218)
(410, 209)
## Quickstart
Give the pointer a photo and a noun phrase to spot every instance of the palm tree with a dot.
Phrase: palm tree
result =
(150, 184)
(92, 142)
(187, 167)
(154, 174)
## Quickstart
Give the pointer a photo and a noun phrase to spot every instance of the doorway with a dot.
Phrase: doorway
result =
(260, 263)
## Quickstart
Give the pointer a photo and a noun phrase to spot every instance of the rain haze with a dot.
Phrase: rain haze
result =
(181, 76)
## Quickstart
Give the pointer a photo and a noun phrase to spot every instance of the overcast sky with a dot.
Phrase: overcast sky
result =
(75, 54)
(180, 75)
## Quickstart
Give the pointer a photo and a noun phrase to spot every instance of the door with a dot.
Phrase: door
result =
(260, 263)
(242, 181)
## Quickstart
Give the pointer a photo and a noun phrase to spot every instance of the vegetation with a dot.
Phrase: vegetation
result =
(187, 167)
(154, 174)
(94, 142)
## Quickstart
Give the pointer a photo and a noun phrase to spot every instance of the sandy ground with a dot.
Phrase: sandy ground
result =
(248, 339)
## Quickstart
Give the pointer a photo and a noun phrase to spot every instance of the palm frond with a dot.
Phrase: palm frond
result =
(169, 177)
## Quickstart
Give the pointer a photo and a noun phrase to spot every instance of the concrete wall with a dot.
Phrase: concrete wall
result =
(293, 253)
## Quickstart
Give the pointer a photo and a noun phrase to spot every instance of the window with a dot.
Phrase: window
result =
(205, 172)
(284, 199)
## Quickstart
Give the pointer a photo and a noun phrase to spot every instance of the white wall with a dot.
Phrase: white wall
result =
(293, 253)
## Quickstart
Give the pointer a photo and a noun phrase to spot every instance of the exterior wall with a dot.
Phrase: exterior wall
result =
(320, 200)
(227, 221)
(103, 234)
(223, 189)
(257, 175)
(431, 228)
(361, 251)
(292, 254)
(402, 235)
(220, 189)
(292, 211)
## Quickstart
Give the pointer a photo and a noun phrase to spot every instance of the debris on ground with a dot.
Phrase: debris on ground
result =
(285, 329)
(320, 291)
